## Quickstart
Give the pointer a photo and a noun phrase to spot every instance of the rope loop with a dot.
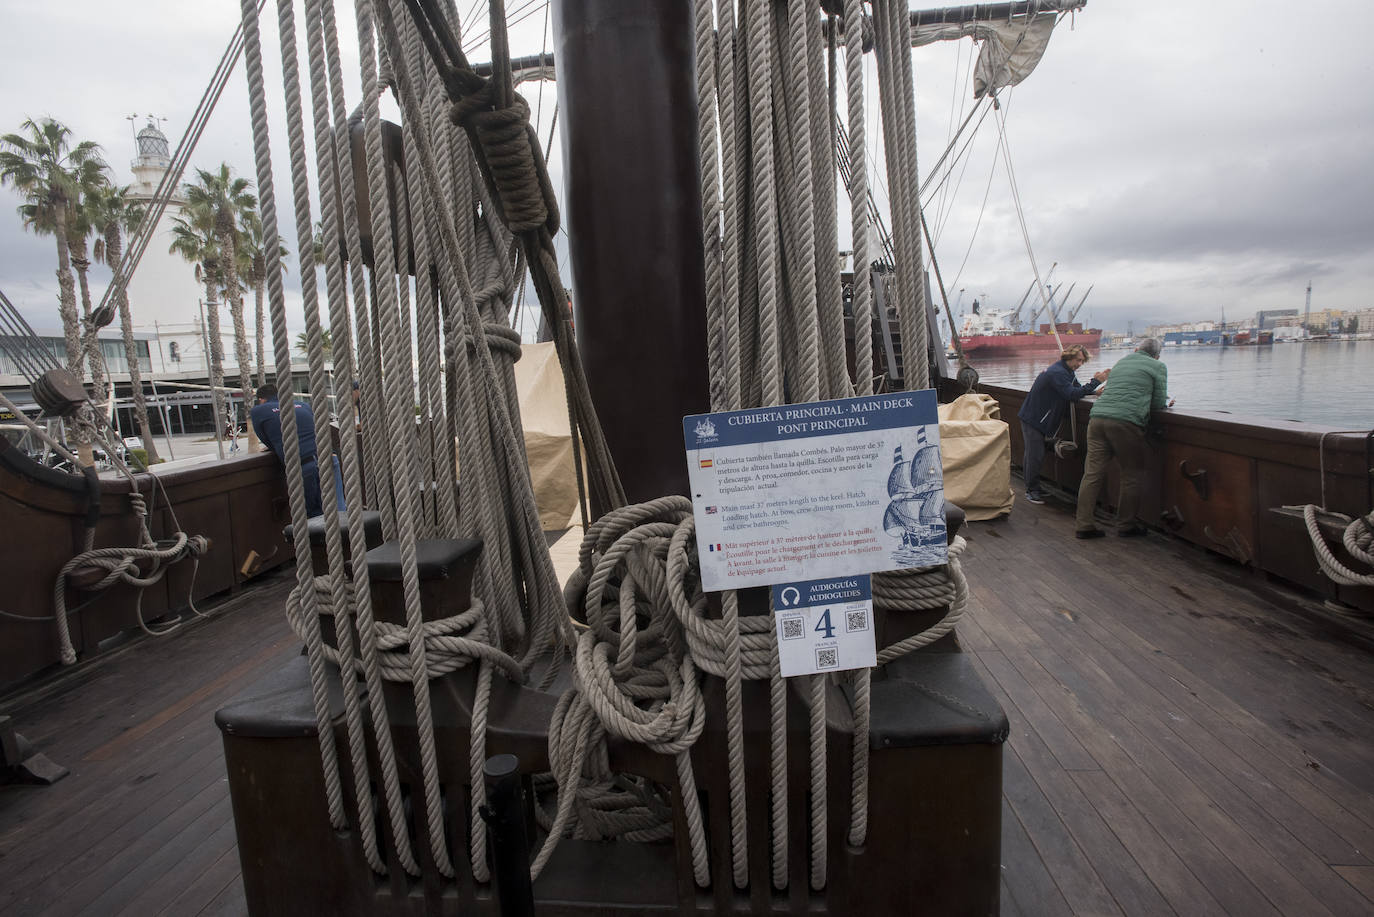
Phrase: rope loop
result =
(122, 565)
(525, 198)
(450, 643)
(1358, 539)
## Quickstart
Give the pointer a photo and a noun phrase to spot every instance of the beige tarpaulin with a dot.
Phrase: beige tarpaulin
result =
(975, 447)
(548, 442)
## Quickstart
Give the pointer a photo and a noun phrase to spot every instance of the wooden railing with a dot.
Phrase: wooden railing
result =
(1221, 480)
(239, 504)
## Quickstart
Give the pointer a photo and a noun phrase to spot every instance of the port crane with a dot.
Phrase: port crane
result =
(1048, 306)
(1015, 320)
(1078, 308)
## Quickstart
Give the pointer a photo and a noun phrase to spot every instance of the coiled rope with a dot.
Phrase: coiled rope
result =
(119, 564)
(637, 663)
(1358, 540)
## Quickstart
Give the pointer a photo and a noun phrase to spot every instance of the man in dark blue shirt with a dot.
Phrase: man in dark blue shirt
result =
(1044, 407)
(266, 418)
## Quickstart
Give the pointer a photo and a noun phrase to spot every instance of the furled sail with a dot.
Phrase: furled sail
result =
(1011, 48)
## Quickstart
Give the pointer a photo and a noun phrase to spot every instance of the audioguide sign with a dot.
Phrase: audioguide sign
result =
(802, 492)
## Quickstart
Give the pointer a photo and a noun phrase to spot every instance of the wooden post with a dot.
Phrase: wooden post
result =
(627, 92)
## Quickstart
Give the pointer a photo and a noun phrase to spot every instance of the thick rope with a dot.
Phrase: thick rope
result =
(326, 83)
(634, 679)
(291, 444)
(398, 393)
(1358, 539)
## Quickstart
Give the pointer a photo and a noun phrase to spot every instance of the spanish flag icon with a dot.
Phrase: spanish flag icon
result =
(706, 463)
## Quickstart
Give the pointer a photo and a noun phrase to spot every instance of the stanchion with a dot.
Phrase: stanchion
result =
(504, 814)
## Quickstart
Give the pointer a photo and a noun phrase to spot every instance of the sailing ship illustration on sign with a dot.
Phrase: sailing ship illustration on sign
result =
(705, 430)
(916, 505)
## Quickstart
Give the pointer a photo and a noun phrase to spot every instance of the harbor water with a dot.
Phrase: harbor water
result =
(1321, 382)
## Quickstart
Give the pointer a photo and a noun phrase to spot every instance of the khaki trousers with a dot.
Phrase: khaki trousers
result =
(1107, 439)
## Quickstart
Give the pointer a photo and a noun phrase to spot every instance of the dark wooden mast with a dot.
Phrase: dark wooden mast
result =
(627, 93)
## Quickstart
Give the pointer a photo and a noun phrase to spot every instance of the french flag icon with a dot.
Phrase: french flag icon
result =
(713, 548)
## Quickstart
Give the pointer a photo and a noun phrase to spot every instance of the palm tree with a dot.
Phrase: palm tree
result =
(115, 214)
(226, 198)
(327, 345)
(253, 267)
(42, 165)
(90, 183)
(194, 238)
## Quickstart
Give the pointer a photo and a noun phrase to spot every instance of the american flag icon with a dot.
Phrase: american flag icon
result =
(710, 510)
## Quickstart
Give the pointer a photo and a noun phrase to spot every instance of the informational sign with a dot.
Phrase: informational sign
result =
(824, 489)
(825, 625)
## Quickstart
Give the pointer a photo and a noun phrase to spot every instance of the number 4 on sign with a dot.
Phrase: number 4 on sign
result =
(824, 625)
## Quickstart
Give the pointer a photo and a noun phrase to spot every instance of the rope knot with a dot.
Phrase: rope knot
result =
(499, 339)
(524, 197)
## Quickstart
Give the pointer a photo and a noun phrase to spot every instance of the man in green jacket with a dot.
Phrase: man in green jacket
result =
(1116, 427)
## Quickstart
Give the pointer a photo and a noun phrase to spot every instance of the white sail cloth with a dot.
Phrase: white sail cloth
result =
(1010, 50)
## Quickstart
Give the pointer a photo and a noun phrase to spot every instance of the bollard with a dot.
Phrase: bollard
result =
(504, 815)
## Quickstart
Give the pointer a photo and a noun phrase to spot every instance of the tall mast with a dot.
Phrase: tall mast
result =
(633, 214)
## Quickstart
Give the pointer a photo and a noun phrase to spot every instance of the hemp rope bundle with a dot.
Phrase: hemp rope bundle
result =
(634, 681)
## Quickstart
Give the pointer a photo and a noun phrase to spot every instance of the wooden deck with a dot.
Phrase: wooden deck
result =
(1183, 740)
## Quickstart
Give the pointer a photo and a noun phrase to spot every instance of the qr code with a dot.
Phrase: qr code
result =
(856, 620)
(827, 657)
(793, 627)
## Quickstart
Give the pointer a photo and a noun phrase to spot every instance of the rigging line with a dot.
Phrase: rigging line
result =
(147, 228)
(41, 355)
(846, 168)
(874, 141)
(1021, 219)
(955, 103)
(945, 155)
(941, 220)
(465, 23)
(967, 161)
(515, 17)
(951, 191)
(21, 350)
(974, 235)
(543, 47)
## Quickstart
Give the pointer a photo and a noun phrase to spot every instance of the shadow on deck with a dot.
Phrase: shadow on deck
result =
(1184, 740)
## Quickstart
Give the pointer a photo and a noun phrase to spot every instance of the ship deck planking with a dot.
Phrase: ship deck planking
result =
(1185, 739)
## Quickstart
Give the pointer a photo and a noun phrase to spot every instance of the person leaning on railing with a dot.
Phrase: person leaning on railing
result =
(266, 419)
(1043, 410)
(1116, 429)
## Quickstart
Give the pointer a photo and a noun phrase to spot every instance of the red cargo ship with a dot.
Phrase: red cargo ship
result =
(988, 334)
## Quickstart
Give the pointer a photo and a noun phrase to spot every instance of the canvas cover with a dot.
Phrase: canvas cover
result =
(975, 448)
(548, 442)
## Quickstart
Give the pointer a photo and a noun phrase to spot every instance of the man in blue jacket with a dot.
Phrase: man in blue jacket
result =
(1044, 407)
(266, 418)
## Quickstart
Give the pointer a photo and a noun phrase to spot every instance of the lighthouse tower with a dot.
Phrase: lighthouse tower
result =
(164, 288)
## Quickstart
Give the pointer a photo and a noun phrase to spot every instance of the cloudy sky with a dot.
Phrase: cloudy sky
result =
(1184, 158)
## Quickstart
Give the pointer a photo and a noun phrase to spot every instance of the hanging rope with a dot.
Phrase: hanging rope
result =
(475, 190)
